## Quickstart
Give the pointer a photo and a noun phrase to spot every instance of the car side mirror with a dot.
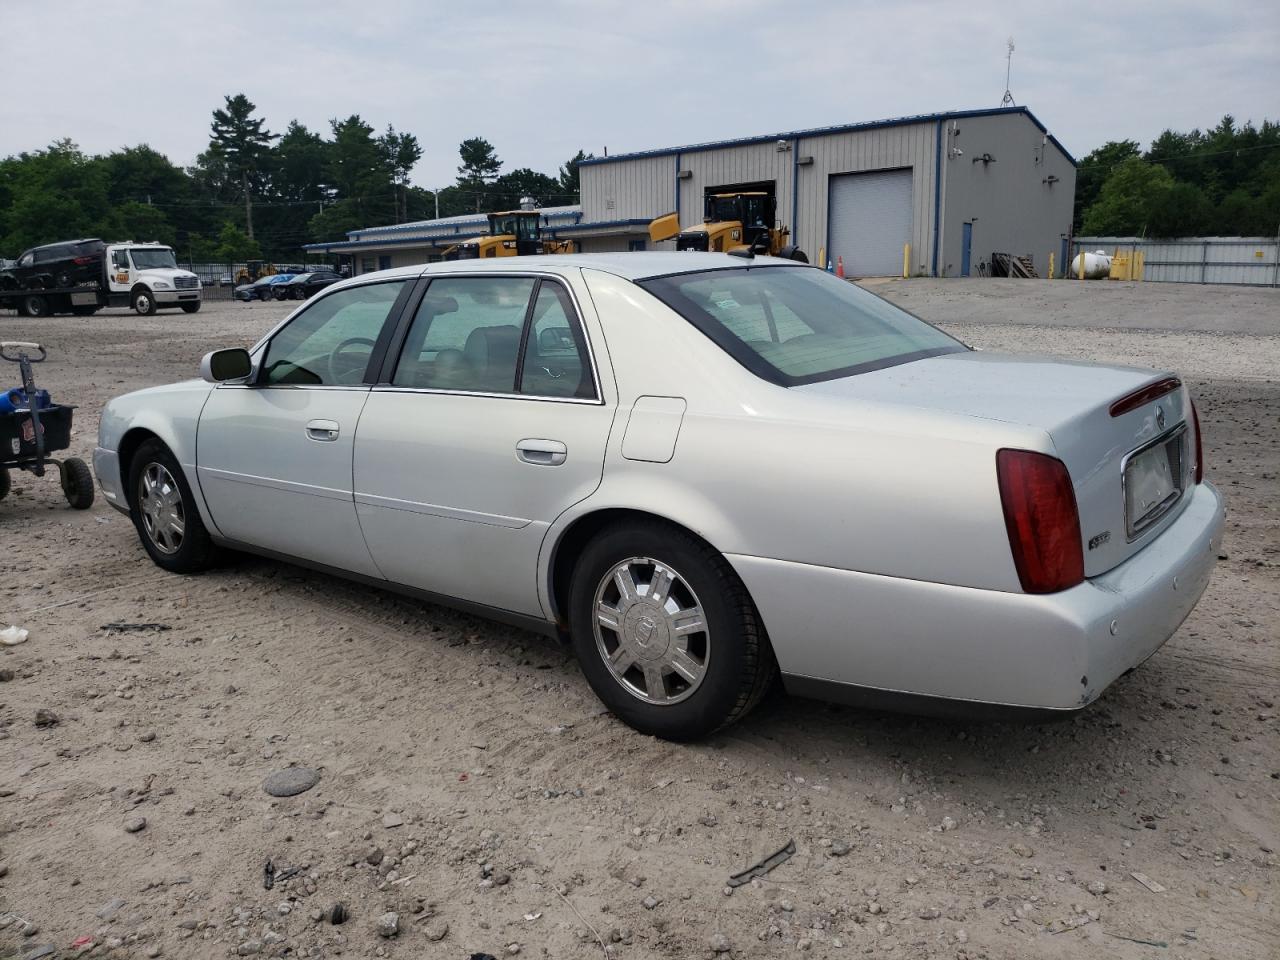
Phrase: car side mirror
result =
(221, 366)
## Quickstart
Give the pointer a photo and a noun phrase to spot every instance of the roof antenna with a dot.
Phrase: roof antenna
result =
(1007, 99)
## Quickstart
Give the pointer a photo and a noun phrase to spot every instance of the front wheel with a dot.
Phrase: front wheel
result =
(144, 304)
(666, 633)
(77, 483)
(163, 510)
(191, 307)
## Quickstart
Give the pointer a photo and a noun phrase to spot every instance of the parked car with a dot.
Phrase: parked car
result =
(56, 266)
(305, 285)
(701, 470)
(260, 289)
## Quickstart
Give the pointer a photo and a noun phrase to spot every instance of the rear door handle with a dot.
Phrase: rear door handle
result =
(322, 430)
(542, 453)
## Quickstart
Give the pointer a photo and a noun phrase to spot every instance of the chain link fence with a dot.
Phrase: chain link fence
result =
(219, 280)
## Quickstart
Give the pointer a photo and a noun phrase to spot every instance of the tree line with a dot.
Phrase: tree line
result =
(1224, 181)
(254, 193)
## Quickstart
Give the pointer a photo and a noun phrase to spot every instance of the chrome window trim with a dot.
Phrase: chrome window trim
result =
(527, 274)
(1139, 532)
(581, 401)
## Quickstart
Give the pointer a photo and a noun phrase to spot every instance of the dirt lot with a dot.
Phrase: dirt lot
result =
(470, 783)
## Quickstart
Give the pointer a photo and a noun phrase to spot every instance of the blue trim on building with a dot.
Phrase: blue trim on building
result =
(827, 131)
(795, 188)
(937, 191)
(450, 238)
(677, 187)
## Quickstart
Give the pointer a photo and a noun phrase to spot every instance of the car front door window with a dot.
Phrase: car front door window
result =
(329, 344)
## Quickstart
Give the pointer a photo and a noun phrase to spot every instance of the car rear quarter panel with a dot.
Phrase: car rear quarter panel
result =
(763, 471)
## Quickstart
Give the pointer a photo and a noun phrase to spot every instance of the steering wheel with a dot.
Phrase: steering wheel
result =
(335, 375)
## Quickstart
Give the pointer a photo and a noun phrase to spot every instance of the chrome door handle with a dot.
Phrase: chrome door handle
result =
(323, 430)
(542, 453)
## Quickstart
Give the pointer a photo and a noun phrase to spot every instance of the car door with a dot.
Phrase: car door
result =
(274, 458)
(488, 423)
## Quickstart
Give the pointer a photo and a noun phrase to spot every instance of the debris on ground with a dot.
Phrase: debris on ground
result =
(764, 866)
(134, 627)
(12, 636)
(1147, 882)
(47, 718)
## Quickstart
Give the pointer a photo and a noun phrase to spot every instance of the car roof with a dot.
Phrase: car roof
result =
(638, 265)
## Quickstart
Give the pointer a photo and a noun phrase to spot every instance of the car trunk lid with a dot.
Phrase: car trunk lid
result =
(1128, 470)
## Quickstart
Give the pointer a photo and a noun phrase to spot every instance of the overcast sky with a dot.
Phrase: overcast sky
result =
(542, 79)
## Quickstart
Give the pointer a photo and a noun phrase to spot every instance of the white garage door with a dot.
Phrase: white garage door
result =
(870, 221)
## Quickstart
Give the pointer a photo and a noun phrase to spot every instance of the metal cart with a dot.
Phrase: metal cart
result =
(30, 432)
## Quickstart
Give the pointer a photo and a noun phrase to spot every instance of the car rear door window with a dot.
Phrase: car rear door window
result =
(556, 363)
(466, 335)
(331, 341)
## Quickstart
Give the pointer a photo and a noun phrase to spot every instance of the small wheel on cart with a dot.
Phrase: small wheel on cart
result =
(4, 483)
(77, 483)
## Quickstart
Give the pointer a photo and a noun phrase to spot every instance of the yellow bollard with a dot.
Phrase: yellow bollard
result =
(906, 261)
(1050, 264)
(1082, 263)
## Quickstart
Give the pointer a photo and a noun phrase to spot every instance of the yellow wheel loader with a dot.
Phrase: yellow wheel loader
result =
(512, 233)
(732, 221)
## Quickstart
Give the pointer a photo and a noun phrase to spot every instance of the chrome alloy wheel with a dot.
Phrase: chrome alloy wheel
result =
(651, 631)
(160, 503)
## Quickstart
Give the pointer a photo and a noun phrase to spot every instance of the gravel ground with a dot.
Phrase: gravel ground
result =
(469, 783)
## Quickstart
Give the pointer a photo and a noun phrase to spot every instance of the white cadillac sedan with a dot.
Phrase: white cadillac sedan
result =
(703, 470)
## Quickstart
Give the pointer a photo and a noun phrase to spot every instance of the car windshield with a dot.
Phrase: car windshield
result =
(795, 325)
(151, 258)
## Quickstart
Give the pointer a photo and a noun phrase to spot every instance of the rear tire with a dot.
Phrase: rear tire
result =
(164, 512)
(34, 305)
(77, 483)
(699, 658)
(4, 483)
(144, 303)
(191, 307)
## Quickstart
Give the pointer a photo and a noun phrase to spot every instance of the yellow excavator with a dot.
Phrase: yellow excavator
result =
(512, 233)
(732, 222)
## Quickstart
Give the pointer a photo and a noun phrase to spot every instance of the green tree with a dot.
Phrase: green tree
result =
(480, 166)
(53, 194)
(235, 244)
(509, 189)
(1128, 199)
(401, 153)
(299, 161)
(1094, 170)
(571, 183)
(239, 141)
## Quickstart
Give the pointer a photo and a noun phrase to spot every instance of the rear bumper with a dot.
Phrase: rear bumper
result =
(839, 634)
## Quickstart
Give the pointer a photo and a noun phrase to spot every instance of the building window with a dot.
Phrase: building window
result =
(384, 262)
(367, 265)
(635, 245)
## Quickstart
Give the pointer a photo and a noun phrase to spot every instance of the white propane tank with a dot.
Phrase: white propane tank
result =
(1097, 265)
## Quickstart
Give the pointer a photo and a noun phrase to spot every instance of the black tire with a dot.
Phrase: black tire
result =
(792, 252)
(738, 663)
(4, 483)
(77, 483)
(62, 280)
(299, 293)
(143, 302)
(35, 305)
(278, 292)
(195, 551)
(191, 307)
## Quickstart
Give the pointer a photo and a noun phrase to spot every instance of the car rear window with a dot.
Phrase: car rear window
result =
(795, 325)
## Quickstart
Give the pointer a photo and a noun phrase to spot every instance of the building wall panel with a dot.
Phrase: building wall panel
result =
(1009, 201)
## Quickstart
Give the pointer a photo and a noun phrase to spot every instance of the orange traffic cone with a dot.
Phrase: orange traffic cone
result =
(840, 267)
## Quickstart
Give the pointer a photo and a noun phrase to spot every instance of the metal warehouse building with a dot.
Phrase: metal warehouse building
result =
(945, 189)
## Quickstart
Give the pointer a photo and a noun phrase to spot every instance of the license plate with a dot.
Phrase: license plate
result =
(1153, 482)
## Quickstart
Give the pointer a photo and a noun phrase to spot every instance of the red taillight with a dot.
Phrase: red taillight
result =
(83, 261)
(1195, 419)
(1041, 517)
